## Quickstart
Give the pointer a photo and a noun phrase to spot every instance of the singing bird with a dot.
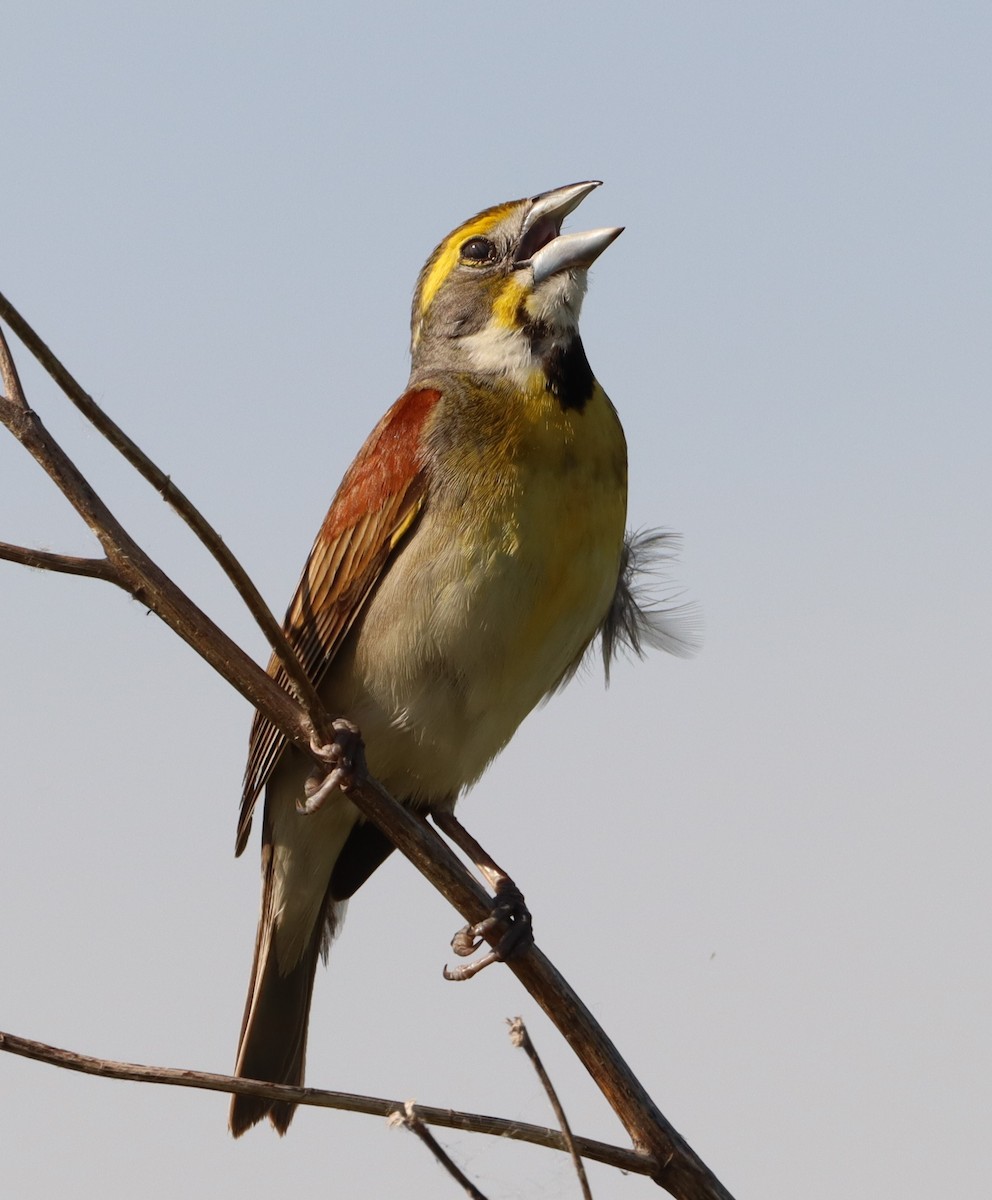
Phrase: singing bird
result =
(474, 550)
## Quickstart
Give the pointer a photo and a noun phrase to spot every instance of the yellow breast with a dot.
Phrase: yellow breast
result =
(503, 584)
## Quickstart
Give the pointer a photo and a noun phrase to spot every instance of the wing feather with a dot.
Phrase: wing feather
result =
(374, 511)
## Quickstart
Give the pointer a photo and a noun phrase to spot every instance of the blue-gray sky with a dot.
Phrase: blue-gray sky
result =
(765, 869)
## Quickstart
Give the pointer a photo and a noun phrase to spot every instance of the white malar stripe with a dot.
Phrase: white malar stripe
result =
(497, 350)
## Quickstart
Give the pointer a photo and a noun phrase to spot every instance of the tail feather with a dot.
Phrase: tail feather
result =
(308, 873)
(274, 1036)
(273, 1040)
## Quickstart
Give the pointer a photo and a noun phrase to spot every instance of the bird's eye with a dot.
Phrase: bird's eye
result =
(478, 250)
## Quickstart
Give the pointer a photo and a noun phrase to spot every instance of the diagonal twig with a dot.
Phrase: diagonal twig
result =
(8, 374)
(299, 681)
(521, 1038)
(408, 1118)
(678, 1168)
(131, 569)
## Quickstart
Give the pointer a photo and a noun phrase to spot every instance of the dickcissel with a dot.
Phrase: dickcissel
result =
(473, 551)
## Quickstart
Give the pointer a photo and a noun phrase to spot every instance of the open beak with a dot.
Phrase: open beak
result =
(543, 246)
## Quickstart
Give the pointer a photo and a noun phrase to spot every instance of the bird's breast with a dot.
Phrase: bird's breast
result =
(499, 590)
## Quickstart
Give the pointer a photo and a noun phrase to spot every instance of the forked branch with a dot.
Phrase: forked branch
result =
(299, 682)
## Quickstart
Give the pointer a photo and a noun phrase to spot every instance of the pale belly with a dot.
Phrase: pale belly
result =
(459, 645)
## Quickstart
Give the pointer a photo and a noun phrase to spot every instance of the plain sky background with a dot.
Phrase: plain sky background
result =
(767, 869)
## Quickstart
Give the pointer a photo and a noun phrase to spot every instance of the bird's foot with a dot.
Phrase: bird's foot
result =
(341, 760)
(510, 912)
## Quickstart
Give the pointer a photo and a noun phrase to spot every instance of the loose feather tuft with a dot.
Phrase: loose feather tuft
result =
(639, 619)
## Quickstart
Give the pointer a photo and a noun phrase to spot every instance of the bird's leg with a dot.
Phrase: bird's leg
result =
(509, 909)
(340, 760)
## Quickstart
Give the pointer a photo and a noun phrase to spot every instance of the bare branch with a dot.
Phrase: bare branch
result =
(137, 574)
(679, 1169)
(408, 1118)
(8, 374)
(66, 564)
(299, 682)
(448, 1118)
(520, 1037)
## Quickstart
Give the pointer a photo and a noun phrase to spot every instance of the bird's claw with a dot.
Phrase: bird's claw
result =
(341, 760)
(510, 912)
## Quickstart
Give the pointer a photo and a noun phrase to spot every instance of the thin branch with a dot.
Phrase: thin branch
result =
(679, 1169)
(66, 564)
(448, 1118)
(301, 686)
(137, 574)
(8, 374)
(408, 1118)
(521, 1038)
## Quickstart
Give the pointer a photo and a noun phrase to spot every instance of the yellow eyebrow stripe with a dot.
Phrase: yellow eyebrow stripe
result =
(447, 256)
